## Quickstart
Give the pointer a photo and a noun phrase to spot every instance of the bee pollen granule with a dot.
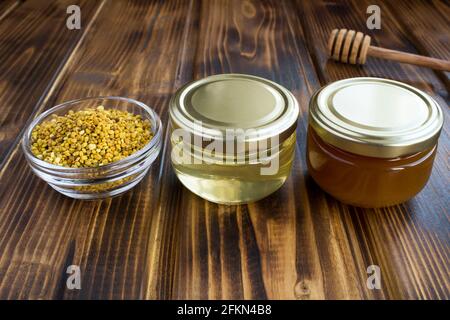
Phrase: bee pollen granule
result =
(90, 138)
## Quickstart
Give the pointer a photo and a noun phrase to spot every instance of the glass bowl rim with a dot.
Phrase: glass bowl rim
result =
(154, 142)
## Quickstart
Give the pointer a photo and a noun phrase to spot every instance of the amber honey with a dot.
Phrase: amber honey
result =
(367, 181)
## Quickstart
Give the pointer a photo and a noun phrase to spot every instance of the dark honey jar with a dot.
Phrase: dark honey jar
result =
(371, 141)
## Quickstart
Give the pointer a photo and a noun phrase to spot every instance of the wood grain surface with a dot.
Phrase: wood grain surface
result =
(159, 241)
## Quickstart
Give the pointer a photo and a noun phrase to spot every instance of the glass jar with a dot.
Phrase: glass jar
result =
(233, 137)
(371, 142)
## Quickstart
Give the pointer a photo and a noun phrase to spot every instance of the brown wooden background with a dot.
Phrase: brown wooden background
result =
(159, 240)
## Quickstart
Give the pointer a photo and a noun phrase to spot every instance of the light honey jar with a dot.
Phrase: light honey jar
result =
(372, 142)
(233, 137)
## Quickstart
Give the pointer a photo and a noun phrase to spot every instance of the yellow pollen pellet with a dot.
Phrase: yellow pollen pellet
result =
(90, 137)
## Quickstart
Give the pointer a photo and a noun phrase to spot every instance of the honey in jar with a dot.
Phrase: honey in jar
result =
(233, 137)
(372, 142)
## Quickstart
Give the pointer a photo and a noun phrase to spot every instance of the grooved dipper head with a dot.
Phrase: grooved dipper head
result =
(348, 46)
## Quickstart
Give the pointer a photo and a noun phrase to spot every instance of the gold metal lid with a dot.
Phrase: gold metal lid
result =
(235, 101)
(375, 117)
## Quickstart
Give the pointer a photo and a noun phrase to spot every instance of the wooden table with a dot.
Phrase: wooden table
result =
(159, 241)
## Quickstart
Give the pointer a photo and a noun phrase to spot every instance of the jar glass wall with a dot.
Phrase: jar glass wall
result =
(367, 181)
(231, 182)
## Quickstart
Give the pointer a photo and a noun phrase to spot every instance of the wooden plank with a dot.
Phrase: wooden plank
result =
(8, 6)
(34, 46)
(431, 39)
(43, 232)
(159, 276)
(410, 241)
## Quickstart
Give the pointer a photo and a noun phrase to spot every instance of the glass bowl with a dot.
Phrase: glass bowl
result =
(104, 181)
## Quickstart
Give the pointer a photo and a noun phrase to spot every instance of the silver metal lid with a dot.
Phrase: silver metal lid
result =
(375, 117)
(235, 101)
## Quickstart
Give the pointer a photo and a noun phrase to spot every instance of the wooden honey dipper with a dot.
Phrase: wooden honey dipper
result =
(353, 47)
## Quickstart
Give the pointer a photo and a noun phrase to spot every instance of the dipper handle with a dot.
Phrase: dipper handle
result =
(353, 47)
